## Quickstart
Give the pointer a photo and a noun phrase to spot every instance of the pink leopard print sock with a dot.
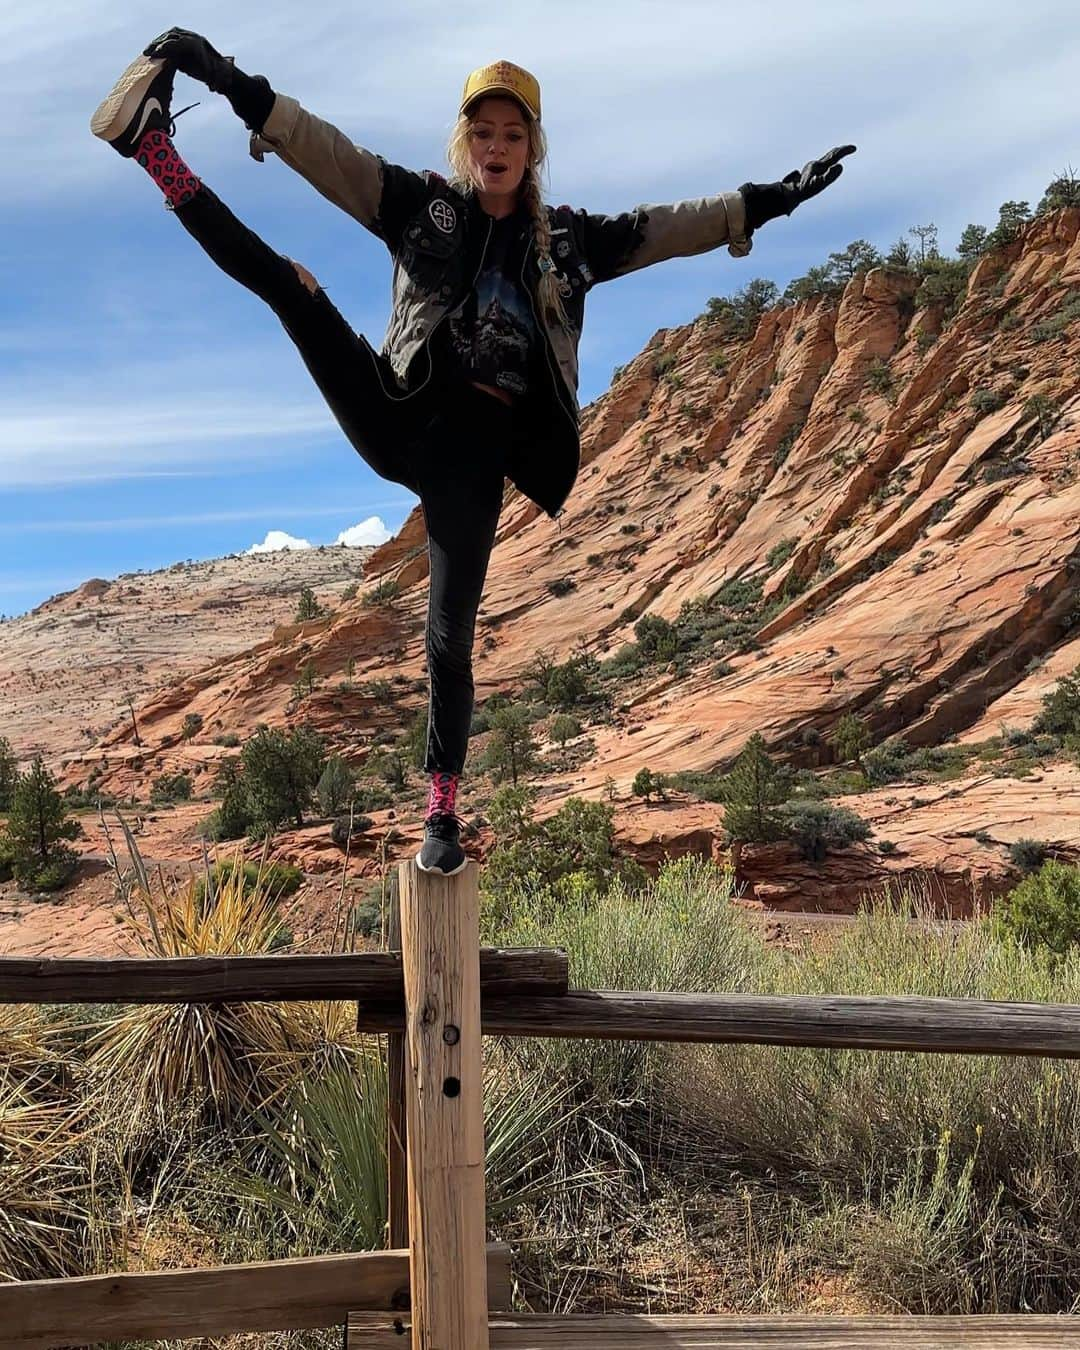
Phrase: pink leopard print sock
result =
(159, 157)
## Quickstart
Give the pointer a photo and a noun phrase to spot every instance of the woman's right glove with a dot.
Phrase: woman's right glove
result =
(250, 95)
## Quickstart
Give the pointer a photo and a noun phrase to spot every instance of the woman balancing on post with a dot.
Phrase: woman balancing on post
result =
(448, 409)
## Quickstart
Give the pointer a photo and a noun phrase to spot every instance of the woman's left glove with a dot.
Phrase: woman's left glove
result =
(250, 95)
(766, 201)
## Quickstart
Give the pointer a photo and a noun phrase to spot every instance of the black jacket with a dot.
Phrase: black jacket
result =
(436, 234)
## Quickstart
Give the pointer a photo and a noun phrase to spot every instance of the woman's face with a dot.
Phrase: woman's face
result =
(498, 147)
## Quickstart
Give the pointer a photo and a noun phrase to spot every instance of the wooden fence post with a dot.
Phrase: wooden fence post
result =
(445, 1107)
(397, 1127)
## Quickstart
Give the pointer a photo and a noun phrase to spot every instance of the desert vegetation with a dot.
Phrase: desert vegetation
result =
(626, 1175)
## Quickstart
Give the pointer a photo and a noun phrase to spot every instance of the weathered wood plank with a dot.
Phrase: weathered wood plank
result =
(444, 1096)
(396, 1121)
(316, 1291)
(621, 1332)
(367, 977)
(972, 1026)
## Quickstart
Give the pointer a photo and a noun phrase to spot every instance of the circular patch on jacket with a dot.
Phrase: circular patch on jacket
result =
(443, 214)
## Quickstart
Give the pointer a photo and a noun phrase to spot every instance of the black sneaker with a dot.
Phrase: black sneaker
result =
(137, 103)
(441, 850)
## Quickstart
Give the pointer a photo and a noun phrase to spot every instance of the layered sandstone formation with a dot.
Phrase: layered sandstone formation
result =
(66, 667)
(932, 544)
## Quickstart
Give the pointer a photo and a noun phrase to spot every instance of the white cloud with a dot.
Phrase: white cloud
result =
(370, 531)
(276, 540)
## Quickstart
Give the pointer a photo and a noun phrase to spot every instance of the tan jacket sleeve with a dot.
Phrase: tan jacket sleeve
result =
(651, 233)
(378, 194)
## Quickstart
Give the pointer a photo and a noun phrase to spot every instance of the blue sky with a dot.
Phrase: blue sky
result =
(151, 410)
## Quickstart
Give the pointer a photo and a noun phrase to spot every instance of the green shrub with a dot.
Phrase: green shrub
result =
(1060, 714)
(648, 784)
(577, 840)
(345, 827)
(560, 586)
(1028, 854)
(563, 728)
(818, 826)
(385, 593)
(280, 771)
(850, 738)
(707, 787)
(171, 787)
(780, 553)
(9, 773)
(1043, 911)
(657, 639)
(511, 751)
(273, 880)
(886, 762)
(191, 726)
(879, 376)
(988, 400)
(7, 858)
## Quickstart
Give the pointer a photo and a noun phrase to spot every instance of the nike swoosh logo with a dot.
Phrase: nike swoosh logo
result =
(151, 104)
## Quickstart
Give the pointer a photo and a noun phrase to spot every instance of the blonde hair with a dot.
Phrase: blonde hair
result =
(464, 179)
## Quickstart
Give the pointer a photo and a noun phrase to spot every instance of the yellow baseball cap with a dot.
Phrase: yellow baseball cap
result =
(503, 77)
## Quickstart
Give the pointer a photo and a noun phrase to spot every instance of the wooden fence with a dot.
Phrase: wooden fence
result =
(434, 996)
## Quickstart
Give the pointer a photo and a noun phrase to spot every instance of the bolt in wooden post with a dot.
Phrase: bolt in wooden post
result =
(440, 948)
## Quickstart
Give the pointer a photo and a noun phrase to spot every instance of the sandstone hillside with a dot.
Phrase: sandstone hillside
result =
(906, 525)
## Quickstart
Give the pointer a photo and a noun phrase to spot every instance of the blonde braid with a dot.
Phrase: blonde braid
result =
(548, 287)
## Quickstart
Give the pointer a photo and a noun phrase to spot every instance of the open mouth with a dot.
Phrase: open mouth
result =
(496, 169)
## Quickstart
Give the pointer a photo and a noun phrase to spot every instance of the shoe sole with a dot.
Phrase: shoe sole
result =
(437, 872)
(115, 111)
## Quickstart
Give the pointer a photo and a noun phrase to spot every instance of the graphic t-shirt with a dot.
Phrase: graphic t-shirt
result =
(492, 336)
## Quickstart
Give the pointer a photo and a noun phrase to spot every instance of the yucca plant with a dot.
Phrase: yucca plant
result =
(326, 1155)
(157, 1068)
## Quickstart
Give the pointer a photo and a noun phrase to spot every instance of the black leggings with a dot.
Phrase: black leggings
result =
(448, 443)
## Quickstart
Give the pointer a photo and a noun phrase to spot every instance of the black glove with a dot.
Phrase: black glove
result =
(766, 201)
(250, 95)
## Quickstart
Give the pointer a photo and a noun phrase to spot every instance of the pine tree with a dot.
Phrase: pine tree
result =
(281, 771)
(972, 243)
(38, 826)
(9, 773)
(307, 607)
(511, 750)
(335, 788)
(752, 790)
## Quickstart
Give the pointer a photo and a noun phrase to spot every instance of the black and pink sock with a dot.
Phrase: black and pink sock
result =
(160, 159)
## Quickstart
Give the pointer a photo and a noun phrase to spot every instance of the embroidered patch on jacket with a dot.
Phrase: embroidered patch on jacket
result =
(443, 214)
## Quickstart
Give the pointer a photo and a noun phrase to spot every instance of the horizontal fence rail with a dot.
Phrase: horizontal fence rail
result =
(613, 1331)
(313, 1291)
(367, 977)
(901, 1022)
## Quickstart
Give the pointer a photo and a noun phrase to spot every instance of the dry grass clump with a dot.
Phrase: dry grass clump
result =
(41, 1188)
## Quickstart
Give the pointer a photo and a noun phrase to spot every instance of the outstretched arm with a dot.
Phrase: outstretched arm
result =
(616, 245)
(380, 195)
